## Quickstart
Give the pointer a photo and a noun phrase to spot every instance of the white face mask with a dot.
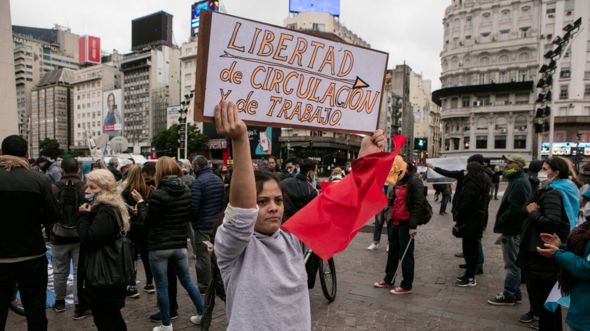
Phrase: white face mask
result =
(542, 176)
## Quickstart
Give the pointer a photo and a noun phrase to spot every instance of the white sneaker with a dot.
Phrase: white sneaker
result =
(373, 246)
(196, 319)
(163, 328)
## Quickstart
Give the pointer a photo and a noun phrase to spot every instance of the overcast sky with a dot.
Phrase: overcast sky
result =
(409, 30)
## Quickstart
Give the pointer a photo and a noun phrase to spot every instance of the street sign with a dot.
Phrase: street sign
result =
(284, 78)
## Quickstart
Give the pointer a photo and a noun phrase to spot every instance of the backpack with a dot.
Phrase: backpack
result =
(68, 200)
(426, 213)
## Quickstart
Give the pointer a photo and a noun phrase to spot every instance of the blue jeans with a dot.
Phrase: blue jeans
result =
(510, 248)
(159, 265)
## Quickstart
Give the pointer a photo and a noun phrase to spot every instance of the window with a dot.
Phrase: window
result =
(520, 142)
(563, 92)
(482, 124)
(565, 73)
(465, 142)
(481, 142)
(587, 91)
(465, 101)
(500, 142)
(524, 32)
(454, 103)
(551, 11)
(447, 144)
(455, 143)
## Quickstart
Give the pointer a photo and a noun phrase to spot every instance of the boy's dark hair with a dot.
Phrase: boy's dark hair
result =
(70, 165)
(307, 165)
(149, 168)
(14, 145)
(293, 160)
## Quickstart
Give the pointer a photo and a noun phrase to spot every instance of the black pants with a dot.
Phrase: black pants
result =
(471, 253)
(31, 277)
(108, 318)
(399, 237)
(311, 266)
(140, 248)
(539, 286)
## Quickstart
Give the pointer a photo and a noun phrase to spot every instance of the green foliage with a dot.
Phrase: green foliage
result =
(166, 141)
(50, 147)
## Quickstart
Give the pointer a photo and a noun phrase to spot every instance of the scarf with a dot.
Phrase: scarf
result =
(8, 162)
(571, 199)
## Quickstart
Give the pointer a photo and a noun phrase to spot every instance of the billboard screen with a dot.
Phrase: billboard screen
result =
(326, 6)
(154, 29)
(172, 116)
(196, 12)
(112, 121)
(93, 48)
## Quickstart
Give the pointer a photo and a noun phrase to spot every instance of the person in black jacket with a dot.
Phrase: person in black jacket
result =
(546, 214)
(509, 220)
(298, 192)
(167, 215)
(100, 223)
(208, 197)
(407, 201)
(471, 216)
(27, 203)
(459, 175)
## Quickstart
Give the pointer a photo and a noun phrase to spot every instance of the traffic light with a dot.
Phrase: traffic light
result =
(420, 144)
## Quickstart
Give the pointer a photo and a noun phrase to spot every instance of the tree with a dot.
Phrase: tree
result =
(50, 147)
(166, 141)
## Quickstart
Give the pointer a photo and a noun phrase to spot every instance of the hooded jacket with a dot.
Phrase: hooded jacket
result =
(167, 215)
(415, 199)
(298, 193)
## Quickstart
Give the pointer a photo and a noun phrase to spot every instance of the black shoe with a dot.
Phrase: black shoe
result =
(149, 288)
(132, 292)
(466, 282)
(528, 317)
(156, 317)
(81, 313)
(501, 300)
(479, 271)
(59, 306)
(463, 265)
(17, 307)
(459, 255)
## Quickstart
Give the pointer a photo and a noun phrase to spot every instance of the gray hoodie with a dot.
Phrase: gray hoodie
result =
(264, 276)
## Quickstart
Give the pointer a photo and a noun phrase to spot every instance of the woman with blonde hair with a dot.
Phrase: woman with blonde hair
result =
(168, 213)
(103, 217)
(135, 192)
(336, 175)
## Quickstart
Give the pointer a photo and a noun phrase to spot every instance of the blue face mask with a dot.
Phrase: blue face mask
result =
(89, 197)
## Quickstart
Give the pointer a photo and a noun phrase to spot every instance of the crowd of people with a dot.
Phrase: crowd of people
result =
(232, 216)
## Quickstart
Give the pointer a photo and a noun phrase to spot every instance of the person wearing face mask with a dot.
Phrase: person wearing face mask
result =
(548, 213)
(509, 221)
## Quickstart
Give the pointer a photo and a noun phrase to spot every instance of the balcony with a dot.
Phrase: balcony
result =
(484, 88)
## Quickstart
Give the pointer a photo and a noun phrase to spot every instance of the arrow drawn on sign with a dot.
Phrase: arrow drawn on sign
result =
(355, 83)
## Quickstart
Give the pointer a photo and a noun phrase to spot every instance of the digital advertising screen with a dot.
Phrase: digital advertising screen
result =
(326, 6)
(196, 11)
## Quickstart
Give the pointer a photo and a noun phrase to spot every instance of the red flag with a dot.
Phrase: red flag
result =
(329, 222)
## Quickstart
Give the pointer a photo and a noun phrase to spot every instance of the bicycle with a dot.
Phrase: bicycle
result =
(327, 271)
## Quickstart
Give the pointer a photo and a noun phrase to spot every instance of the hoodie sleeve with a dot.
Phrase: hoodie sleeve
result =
(579, 266)
(457, 174)
(234, 235)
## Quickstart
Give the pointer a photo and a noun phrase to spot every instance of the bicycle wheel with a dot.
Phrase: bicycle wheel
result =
(328, 279)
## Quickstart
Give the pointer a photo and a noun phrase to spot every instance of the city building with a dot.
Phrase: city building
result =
(38, 51)
(89, 88)
(188, 71)
(8, 113)
(151, 83)
(323, 23)
(570, 104)
(51, 109)
(490, 61)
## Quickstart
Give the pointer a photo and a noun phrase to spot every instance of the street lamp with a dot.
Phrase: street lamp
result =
(183, 124)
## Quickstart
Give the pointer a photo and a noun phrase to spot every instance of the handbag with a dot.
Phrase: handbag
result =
(111, 265)
(458, 230)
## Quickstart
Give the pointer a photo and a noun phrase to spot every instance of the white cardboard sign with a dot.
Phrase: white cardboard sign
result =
(280, 77)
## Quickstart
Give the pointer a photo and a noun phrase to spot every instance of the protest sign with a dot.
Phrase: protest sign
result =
(447, 163)
(285, 78)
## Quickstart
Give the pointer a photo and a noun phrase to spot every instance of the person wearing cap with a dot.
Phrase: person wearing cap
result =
(52, 170)
(509, 221)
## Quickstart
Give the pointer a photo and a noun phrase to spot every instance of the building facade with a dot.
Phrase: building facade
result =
(489, 61)
(8, 113)
(88, 89)
(38, 51)
(51, 109)
(151, 83)
(323, 23)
